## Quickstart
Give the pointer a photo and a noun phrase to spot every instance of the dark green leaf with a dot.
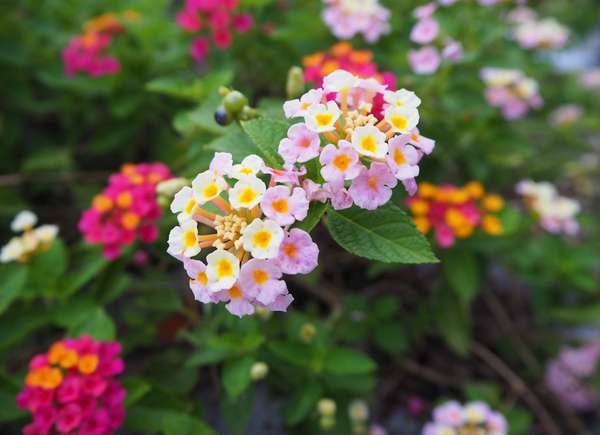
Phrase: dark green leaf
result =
(236, 375)
(303, 403)
(462, 272)
(266, 134)
(12, 281)
(343, 361)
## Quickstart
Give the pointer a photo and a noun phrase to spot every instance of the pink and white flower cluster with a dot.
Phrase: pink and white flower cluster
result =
(569, 376)
(452, 418)
(426, 32)
(249, 236)
(511, 91)
(348, 18)
(362, 155)
(219, 17)
(531, 32)
(73, 389)
(557, 214)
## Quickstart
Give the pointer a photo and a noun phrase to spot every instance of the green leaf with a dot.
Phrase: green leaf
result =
(12, 281)
(237, 412)
(452, 320)
(189, 88)
(236, 375)
(462, 272)
(484, 391)
(87, 265)
(136, 389)
(315, 213)
(266, 134)
(386, 234)
(150, 420)
(391, 337)
(234, 141)
(96, 323)
(47, 267)
(303, 403)
(343, 361)
(207, 356)
(298, 354)
(8, 407)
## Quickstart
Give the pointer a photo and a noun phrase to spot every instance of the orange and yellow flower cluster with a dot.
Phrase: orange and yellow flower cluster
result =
(455, 212)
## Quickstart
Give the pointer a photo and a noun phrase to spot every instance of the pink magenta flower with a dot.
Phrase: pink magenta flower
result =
(261, 279)
(403, 159)
(425, 31)
(298, 253)
(68, 418)
(347, 18)
(188, 20)
(243, 23)
(284, 205)
(425, 60)
(300, 145)
(199, 48)
(340, 163)
(425, 11)
(338, 194)
(373, 187)
(452, 417)
(452, 51)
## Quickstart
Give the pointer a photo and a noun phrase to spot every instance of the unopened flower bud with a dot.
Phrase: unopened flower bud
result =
(234, 102)
(326, 407)
(259, 371)
(358, 411)
(171, 186)
(295, 82)
(248, 113)
(326, 422)
(221, 116)
(308, 332)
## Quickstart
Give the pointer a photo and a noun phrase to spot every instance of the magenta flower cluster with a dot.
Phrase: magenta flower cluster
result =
(220, 19)
(348, 18)
(72, 389)
(435, 48)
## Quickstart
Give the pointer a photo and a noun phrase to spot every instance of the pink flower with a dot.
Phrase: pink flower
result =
(339, 196)
(425, 31)
(444, 235)
(314, 191)
(425, 60)
(300, 145)
(281, 303)
(452, 51)
(243, 22)
(299, 107)
(425, 11)
(261, 279)
(450, 413)
(298, 253)
(403, 159)
(421, 142)
(188, 20)
(69, 390)
(340, 163)
(222, 38)
(284, 205)
(373, 187)
(289, 174)
(199, 48)
(240, 302)
(68, 418)
(345, 20)
(221, 164)
(198, 280)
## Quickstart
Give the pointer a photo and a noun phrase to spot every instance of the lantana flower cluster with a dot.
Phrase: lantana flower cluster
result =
(348, 18)
(248, 236)
(511, 91)
(569, 376)
(532, 32)
(343, 56)
(220, 18)
(367, 149)
(452, 418)
(453, 212)
(127, 209)
(426, 32)
(73, 388)
(30, 241)
(557, 214)
(88, 52)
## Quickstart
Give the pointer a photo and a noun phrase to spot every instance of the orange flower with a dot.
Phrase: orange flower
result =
(102, 203)
(88, 363)
(493, 203)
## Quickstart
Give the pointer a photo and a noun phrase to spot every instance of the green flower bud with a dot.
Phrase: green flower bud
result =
(259, 371)
(326, 407)
(248, 113)
(234, 102)
(326, 422)
(295, 82)
(307, 332)
(170, 187)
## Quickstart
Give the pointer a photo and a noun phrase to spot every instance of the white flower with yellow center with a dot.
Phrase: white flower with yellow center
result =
(402, 98)
(222, 270)
(184, 204)
(321, 118)
(402, 119)
(250, 167)
(24, 220)
(247, 193)
(12, 251)
(370, 141)
(207, 186)
(340, 81)
(46, 233)
(527, 88)
(475, 412)
(262, 238)
(184, 239)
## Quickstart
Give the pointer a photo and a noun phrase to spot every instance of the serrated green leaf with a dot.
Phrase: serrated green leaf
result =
(12, 281)
(266, 133)
(386, 234)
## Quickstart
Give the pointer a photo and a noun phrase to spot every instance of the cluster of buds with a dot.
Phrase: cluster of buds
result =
(327, 409)
(343, 56)
(452, 418)
(73, 389)
(127, 209)
(249, 235)
(88, 52)
(367, 151)
(569, 376)
(511, 91)
(234, 107)
(455, 212)
(348, 18)
(556, 213)
(435, 48)
(219, 17)
(531, 32)
(30, 240)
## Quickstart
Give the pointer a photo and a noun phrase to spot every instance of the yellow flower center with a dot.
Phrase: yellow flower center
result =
(262, 238)
(280, 205)
(323, 119)
(373, 183)
(260, 276)
(189, 207)
(224, 269)
(202, 278)
(210, 190)
(102, 203)
(290, 250)
(235, 292)
(247, 195)
(88, 363)
(399, 122)
(189, 238)
(124, 200)
(246, 170)
(130, 220)
(399, 157)
(368, 143)
(342, 161)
